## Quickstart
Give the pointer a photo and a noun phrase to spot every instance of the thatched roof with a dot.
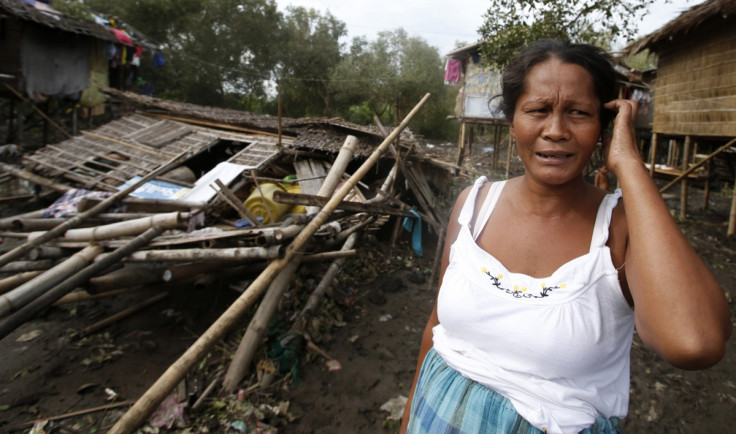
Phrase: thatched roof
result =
(688, 21)
(323, 134)
(24, 12)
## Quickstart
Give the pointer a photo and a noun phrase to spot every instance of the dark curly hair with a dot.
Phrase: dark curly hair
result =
(592, 58)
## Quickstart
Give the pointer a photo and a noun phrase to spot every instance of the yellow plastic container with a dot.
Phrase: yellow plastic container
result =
(256, 203)
(296, 209)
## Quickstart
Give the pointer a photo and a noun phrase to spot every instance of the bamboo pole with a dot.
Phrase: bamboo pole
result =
(683, 191)
(80, 296)
(47, 252)
(696, 165)
(75, 221)
(14, 267)
(119, 229)
(244, 355)
(315, 298)
(17, 279)
(124, 313)
(226, 254)
(274, 236)
(36, 179)
(230, 198)
(30, 310)
(30, 225)
(7, 222)
(148, 402)
(23, 294)
(305, 199)
(336, 171)
(126, 277)
(254, 333)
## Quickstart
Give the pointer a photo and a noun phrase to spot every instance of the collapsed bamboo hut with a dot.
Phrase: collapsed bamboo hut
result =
(694, 94)
(175, 192)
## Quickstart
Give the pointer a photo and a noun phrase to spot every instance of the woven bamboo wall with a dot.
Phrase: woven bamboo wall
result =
(695, 90)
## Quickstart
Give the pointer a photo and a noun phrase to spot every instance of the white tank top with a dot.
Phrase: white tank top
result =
(556, 347)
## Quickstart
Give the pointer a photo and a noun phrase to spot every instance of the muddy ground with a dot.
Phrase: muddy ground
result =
(371, 324)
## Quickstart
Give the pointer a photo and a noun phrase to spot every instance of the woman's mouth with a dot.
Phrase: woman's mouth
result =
(555, 155)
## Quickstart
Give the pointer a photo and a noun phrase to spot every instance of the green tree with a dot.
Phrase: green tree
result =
(387, 77)
(214, 49)
(512, 24)
(309, 52)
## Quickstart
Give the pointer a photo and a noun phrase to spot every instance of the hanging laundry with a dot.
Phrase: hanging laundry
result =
(452, 70)
(122, 36)
(158, 59)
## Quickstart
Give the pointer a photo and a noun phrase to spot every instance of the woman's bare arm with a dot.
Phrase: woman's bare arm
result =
(680, 309)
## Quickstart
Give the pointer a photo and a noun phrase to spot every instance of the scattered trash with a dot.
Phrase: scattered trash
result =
(333, 365)
(39, 427)
(111, 394)
(169, 413)
(29, 336)
(384, 318)
(395, 407)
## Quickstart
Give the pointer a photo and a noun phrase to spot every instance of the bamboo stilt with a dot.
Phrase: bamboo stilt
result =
(685, 166)
(732, 215)
(147, 403)
(698, 164)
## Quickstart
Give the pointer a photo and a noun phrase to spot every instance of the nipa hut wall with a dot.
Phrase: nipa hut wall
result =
(695, 90)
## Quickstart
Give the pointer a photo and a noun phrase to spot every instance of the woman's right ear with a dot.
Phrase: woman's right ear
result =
(512, 131)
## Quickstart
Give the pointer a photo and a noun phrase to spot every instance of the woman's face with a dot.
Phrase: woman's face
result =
(556, 122)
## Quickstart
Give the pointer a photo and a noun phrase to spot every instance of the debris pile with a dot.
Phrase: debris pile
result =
(175, 192)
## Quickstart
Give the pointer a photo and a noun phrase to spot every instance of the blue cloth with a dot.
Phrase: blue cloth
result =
(415, 227)
(446, 402)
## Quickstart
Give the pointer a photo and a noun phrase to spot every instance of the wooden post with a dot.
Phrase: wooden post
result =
(150, 400)
(461, 146)
(685, 166)
(653, 155)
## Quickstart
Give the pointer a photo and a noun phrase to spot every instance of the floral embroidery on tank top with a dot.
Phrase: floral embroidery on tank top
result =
(521, 292)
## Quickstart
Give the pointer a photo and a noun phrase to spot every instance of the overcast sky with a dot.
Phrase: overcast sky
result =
(442, 22)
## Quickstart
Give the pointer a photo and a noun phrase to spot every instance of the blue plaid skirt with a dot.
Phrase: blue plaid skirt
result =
(446, 402)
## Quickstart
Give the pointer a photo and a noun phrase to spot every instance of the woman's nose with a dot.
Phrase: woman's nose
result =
(555, 128)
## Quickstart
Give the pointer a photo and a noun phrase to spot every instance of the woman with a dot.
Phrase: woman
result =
(544, 276)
